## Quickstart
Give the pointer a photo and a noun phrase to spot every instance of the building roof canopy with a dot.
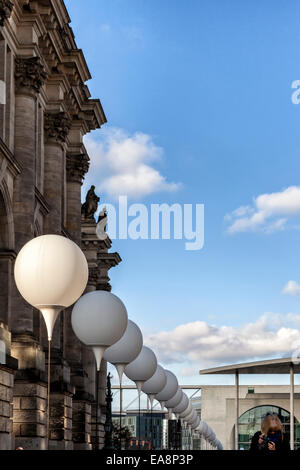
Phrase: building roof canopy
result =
(271, 366)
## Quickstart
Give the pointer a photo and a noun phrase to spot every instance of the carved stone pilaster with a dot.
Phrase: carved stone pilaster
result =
(57, 126)
(6, 7)
(77, 167)
(29, 73)
(93, 276)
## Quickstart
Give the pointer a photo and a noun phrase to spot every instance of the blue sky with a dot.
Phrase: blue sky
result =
(209, 84)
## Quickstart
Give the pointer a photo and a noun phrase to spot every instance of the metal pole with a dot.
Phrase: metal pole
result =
(49, 380)
(139, 433)
(121, 404)
(97, 407)
(151, 425)
(292, 389)
(237, 410)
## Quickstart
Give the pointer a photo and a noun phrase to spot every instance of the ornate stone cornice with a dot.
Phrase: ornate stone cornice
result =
(29, 73)
(57, 126)
(6, 7)
(77, 167)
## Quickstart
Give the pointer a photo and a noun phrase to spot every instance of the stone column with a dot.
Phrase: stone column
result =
(30, 387)
(57, 127)
(99, 261)
(77, 167)
(29, 77)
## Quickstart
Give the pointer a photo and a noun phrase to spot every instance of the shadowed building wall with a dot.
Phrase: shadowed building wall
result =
(44, 114)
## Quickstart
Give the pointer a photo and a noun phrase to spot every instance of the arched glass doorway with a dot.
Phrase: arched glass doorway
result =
(250, 423)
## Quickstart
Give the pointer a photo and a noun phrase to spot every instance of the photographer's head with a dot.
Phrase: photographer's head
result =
(271, 425)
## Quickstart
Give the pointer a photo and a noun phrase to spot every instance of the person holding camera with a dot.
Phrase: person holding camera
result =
(271, 437)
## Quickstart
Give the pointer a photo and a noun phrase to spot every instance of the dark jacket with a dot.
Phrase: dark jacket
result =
(282, 445)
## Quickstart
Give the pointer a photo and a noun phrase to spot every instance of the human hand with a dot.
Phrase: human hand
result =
(260, 440)
(271, 446)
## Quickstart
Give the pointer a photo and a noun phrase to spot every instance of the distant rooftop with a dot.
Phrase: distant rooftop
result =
(270, 366)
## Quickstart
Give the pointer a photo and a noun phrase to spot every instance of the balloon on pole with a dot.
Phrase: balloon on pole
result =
(51, 273)
(182, 405)
(169, 389)
(187, 411)
(142, 368)
(175, 400)
(126, 349)
(99, 319)
(155, 384)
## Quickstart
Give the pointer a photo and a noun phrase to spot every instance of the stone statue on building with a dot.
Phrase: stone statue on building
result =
(90, 206)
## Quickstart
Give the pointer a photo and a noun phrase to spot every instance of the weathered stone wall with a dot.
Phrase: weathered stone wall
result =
(43, 162)
(29, 415)
(6, 408)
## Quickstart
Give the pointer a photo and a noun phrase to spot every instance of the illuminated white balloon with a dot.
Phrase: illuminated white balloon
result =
(99, 319)
(169, 389)
(155, 384)
(175, 400)
(182, 405)
(51, 273)
(126, 349)
(142, 368)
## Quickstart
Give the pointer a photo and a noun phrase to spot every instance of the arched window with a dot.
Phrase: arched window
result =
(250, 423)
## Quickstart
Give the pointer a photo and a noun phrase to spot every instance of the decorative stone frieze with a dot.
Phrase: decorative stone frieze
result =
(29, 73)
(57, 126)
(77, 167)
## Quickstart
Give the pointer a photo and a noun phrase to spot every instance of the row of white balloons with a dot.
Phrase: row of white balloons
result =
(100, 320)
(51, 273)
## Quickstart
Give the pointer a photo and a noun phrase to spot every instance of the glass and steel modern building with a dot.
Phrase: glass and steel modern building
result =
(235, 412)
(250, 423)
(148, 428)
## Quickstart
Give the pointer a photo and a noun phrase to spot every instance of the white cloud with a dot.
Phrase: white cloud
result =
(206, 345)
(123, 164)
(292, 288)
(269, 213)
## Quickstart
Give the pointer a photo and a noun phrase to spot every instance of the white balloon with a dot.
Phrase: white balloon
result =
(99, 319)
(219, 445)
(142, 368)
(51, 273)
(156, 383)
(190, 416)
(196, 424)
(209, 432)
(126, 349)
(175, 400)
(193, 419)
(202, 427)
(187, 411)
(182, 405)
(170, 388)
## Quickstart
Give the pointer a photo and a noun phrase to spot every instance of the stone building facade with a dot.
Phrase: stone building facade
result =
(45, 111)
